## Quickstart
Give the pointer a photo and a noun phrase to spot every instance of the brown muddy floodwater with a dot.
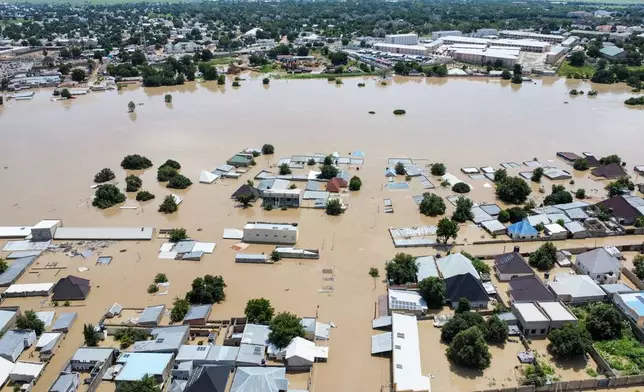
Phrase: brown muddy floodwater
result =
(51, 151)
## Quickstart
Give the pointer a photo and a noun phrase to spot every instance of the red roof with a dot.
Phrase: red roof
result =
(335, 184)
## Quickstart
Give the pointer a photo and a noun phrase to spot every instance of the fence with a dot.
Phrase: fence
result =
(601, 362)
(577, 385)
(633, 278)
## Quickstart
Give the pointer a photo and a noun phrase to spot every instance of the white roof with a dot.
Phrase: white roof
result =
(46, 224)
(406, 300)
(5, 368)
(28, 288)
(14, 232)
(554, 228)
(302, 348)
(529, 312)
(576, 286)
(556, 311)
(207, 177)
(46, 338)
(536, 219)
(32, 369)
(407, 372)
(456, 264)
(270, 226)
(381, 343)
(233, 234)
(104, 233)
(281, 191)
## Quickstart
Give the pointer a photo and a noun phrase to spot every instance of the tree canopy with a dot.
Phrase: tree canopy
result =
(133, 183)
(544, 257)
(107, 195)
(29, 320)
(328, 172)
(463, 306)
(259, 311)
(463, 211)
(446, 229)
(469, 349)
(604, 321)
(334, 207)
(169, 205)
(135, 162)
(460, 322)
(104, 175)
(180, 308)
(402, 269)
(207, 290)
(496, 330)
(432, 290)
(438, 169)
(284, 327)
(179, 182)
(90, 335)
(432, 205)
(355, 183)
(146, 384)
(569, 341)
(513, 190)
(268, 149)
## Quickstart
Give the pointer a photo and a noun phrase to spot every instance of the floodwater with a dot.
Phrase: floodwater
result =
(51, 151)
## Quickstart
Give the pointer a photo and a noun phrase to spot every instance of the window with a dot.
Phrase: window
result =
(543, 331)
(598, 276)
(400, 335)
(397, 347)
(398, 366)
(533, 331)
(201, 348)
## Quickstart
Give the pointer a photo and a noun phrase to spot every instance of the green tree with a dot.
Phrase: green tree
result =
(569, 341)
(432, 205)
(135, 162)
(400, 168)
(447, 229)
(144, 196)
(607, 160)
(310, 162)
(259, 311)
(328, 172)
(168, 98)
(171, 163)
(206, 55)
(78, 75)
(581, 164)
(544, 257)
(334, 207)
(133, 183)
(517, 214)
(604, 321)
(275, 255)
(268, 149)
(207, 290)
(402, 269)
(463, 306)
(432, 290)
(438, 169)
(580, 194)
(506, 75)
(355, 183)
(245, 199)
(459, 323)
(104, 175)
(153, 288)
(373, 272)
(560, 197)
(131, 106)
(516, 79)
(463, 211)
(177, 235)
(106, 196)
(29, 320)
(160, 278)
(517, 69)
(513, 190)
(461, 187)
(500, 175)
(91, 336)
(65, 94)
(577, 59)
(478, 264)
(3, 265)
(169, 205)
(537, 174)
(180, 308)
(284, 169)
(179, 182)
(146, 384)
(266, 81)
(166, 173)
(469, 349)
(138, 58)
(504, 216)
(638, 264)
(221, 80)
(496, 330)
(284, 327)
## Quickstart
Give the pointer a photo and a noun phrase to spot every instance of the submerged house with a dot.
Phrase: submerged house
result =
(246, 189)
(610, 171)
(71, 288)
(509, 265)
(522, 231)
(622, 208)
(279, 198)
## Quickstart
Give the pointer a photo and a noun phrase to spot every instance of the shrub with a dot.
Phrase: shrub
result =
(133, 183)
(638, 263)
(172, 163)
(581, 164)
(153, 288)
(266, 81)
(90, 335)
(479, 265)
(355, 183)
(168, 98)
(179, 310)
(236, 84)
(399, 112)
(373, 272)
(144, 196)
(179, 182)
(639, 222)
(284, 327)
(165, 173)
(160, 278)
(221, 80)
(3, 265)
(127, 336)
(334, 207)
(432, 205)
(106, 196)
(104, 175)
(338, 81)
(284, 169)
(463, 306)
(516, 79)
(461, 187)
(311, 162)
(504, 216)
(544, 258)
(402, 269)
(438, 169)
(67, 94)
(537, 174)
(580, 194)
(177, 235)
(135, 162)
(169, 205)
(268, 149)
(361, 84)
(607, 160)
(259, 311)
(275, 256)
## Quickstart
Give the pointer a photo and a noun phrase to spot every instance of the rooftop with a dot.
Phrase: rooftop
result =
(455, 264)
(407, 371)
(256, 334)
(271, 225)
(137, 365)
(556, 311)
(634, 301)
(264, 379)
(406, 300)
(576, 286)
(512, 263)
(529, 288)
(530, 312)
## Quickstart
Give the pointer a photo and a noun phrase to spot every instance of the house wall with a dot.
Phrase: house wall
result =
(507, 277)
(534, 328)
(298, 363)
(270, 236)
(479, 304)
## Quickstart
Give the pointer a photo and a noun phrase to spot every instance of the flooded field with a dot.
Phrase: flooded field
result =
(51, 151)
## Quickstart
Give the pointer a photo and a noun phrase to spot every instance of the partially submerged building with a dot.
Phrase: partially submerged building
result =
(576, 289)
(87, 358)
(47, 344)
(632, 304)
(271, 233)
(407, 372)
(510, 265)
(135, 366)
(164, 340)
(466, 286)
(198, 314)
(539, 318)
(208, 378)
(14, 342)
(406, 301)
(600, 265)
(626, 209)
(522, 231)
(151, 315)
(278, 198)
(265, 379)
(71, 288)
(528, 288)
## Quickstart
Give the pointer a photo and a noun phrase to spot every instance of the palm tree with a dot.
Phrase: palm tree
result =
(131, 106)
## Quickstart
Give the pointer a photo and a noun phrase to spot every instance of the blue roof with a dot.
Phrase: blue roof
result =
(635, 304)
(522, 228)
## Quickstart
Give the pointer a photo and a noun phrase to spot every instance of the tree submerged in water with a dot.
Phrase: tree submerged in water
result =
(131, 107)
(168, 98)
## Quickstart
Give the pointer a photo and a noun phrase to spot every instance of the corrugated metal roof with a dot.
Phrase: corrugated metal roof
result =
(104, 233)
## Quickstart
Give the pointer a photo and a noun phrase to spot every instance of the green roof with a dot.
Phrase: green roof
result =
(239, 159)
(611, 51)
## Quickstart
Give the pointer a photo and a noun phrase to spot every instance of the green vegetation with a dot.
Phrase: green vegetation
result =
(107, 195)
(334, 207)
(469, 349)
(585, 71)
(144, 196)
(268, 149)
(236, 84)
(463, 306)
(461, 187)
(572, 340)
(399, 112)
(284, 169)
(131, 106)
(127, 336)
(284, 327)
(373, 272)
(266, 81)
(432, 205)
(29, 320)
(512, 190)
(516, 79)
(504, 216)
(147, 383)
(459, 323)
(207, 290)
(179, 182)
(620, 186)
(328, 172)
(544, 257)
(432, 290)
(245, 199)
(171, 163)
(516, 214)
(438, 169)
(537, 174)
(539, 374)
(259, 311)
(135, 162)
(635, 101)
(581, 164)
(90, 335)
(104, 175)
(638, 266)
(401, 269)
(447, 229)
(165, 173)
(355, 183)
(399, 168)
(160, 278)
(478, 264)
(153, 288)
(168, 98)
(500, 175)
(311, 162)
(133, 183)
(169, 205)
(625, 355)
(463, 211)
(275, 256)
(639, 222)
(557, 197)
(325, 75)
(604, 321)
(177, 235)
(180, 308)
(496, 330)
(3, 265)
(580, 194)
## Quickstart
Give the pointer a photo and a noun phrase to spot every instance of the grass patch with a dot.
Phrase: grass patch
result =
(327, 75)
(266, 68)
(223, 61)
(568, 70)
(625, 355)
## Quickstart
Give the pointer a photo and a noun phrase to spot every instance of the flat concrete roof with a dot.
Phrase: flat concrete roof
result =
(104, 233)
